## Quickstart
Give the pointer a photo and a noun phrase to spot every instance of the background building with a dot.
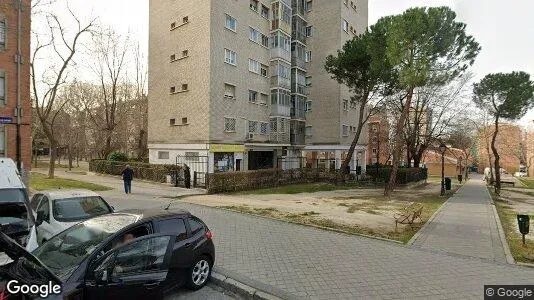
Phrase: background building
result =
(509, 144)
(378, 143)
(230, 82)
(14, 81)
(332, 116)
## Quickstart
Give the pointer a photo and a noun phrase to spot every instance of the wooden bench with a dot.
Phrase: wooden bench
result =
(409, 215)
(512, 182)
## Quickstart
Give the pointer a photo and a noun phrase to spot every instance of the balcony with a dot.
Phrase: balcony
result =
(279, 81)
(299, 89)
(299, 7)
(280, 110)
(299, 62)
(280, 53)
(298, 114)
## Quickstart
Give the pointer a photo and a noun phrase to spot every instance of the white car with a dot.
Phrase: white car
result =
(58, 210)
(520, 174)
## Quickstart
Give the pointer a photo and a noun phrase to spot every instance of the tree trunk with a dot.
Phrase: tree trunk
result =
(497, 158)
(52, 165)
(354, 143)
(492, 178)
(70, 158)
(398, 144)
(108, 146)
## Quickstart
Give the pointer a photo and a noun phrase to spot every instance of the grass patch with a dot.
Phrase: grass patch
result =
(40, 182)
(508, 218)
(305, 188)
(528, 182)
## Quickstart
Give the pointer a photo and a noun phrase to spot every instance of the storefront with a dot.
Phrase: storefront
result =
(227, 158)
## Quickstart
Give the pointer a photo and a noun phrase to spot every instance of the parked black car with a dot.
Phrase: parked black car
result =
(125, 255)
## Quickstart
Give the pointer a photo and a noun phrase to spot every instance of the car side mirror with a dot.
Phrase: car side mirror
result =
(113, 209)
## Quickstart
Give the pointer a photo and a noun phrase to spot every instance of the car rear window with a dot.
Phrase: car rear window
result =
(12, 195)
(196, 226)
(79, 208)
(174, 226)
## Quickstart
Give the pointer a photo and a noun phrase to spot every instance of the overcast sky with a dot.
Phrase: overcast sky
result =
(503, 28)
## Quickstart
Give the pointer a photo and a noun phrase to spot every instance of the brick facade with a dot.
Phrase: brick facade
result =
(508, 144)
(8, 70)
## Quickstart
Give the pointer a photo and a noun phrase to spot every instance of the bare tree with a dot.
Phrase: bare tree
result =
(46, 85)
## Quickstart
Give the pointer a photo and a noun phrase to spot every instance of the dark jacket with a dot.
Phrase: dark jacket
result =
(127, 174)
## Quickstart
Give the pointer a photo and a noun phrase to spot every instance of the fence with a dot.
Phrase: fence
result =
(156, 173)
(322, 164)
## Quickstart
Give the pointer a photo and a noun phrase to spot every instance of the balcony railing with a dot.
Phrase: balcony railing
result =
(298, 62)
(280, 53)
(298, 113)
(278, 81)
(280, 110)
(299, 89)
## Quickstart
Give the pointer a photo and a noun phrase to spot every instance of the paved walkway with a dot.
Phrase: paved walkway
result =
(465, 225)
(296, 261)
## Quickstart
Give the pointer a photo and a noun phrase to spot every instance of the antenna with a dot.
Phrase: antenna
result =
(175, 198)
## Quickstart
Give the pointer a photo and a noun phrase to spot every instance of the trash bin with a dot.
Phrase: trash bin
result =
(523, 222)
(460, 177)
(448, 183)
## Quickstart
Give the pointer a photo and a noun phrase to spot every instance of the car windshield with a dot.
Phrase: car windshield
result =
(12, 195)
(63, 253)
(79, 208)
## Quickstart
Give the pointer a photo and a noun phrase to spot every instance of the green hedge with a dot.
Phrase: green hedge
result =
(404, 175)
(157, 173)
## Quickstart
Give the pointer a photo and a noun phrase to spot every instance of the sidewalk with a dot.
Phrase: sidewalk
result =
(465, 225)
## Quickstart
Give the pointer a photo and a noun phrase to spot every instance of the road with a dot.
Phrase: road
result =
(295, 261)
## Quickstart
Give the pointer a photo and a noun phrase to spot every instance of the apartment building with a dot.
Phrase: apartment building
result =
(332, 113)
(229, 81)
(378, 143)
(15, 81)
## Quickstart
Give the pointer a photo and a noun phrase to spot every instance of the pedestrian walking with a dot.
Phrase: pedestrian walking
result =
(187, 176)
(127, 177)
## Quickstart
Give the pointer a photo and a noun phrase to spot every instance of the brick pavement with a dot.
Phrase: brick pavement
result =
(465, 225)
(305, 262)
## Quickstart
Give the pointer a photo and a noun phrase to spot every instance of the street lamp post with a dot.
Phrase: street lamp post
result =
(377, 154)
(442, 149)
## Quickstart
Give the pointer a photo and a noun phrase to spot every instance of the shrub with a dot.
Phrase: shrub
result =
(118, 156)
(404, 175)
(157, 173)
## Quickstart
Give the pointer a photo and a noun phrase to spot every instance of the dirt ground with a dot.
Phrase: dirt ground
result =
(519, 201)
(358, 208)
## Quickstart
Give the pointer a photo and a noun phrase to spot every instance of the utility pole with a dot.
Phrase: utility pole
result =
(18, 59)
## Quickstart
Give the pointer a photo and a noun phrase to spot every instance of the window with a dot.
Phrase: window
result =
(308, 105)
(230, 57)
(345, 104)
(254, 66)
(185, 53)
(173, 25)
(173, 226)
(345, 130)
(191, 156)
(265, 41)
(172, 122)
(253, 34)
(173, 57)
(308, 131)
(254, 5)
(44, 209)
(185, 87)
(252, 126)
(265, 12)
(231, 23)
(173, 89)
(3, 87)
(196, 226)
(374, 128)
(263, 99)
(229, 124)
(229, 91)
(374, 150)
(264, 70)
(309, 31)
(309, 5)
(353, 103)
(185, 19)
(345, 25)
(149, 256)
(252, 96)
(274, 125)
(308, 81)
(184, 121)
(3, 35)
(264, 128)
(308, 56)
(163, 154)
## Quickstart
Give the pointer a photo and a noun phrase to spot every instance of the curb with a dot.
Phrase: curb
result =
(509, 258)
(241, 289)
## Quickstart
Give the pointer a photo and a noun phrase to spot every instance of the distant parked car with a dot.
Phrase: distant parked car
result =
(58, 210)
(520, 174)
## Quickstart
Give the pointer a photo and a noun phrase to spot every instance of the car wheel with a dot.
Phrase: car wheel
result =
(199, 273)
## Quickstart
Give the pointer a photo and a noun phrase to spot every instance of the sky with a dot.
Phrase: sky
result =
(503, 28)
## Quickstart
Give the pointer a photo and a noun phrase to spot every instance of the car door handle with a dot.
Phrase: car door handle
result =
(187, 245)
(151, 285)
